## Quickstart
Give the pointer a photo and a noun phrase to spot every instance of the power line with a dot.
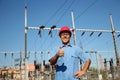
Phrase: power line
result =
(52, 16)
(65, 11)
(27, 2)
(93, 3)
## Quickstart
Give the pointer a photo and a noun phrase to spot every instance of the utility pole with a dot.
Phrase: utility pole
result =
(114, 40)
(74, 30)
(25, 36)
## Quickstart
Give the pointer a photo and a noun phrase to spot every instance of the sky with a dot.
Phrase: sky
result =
(88, 14)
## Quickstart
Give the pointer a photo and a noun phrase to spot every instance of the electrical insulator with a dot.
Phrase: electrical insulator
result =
(80, 61)
(99, 34)
(118, 62)
(91, 33)
(110, 63)
(105, 61)
(44, 62)
(118, 35)
(82, 33)
(54, 26)
(42, 27)
(111, 60)
(34, 62)
(37, 67)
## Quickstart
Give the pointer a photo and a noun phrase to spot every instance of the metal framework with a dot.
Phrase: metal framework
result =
(74, 35)
(74, 30)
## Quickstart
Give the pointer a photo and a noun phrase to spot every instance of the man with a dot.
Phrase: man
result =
(67, 57)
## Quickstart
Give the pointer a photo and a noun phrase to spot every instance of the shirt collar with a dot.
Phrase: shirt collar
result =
(66, 46)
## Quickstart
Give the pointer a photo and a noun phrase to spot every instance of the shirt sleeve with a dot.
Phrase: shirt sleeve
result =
(83, 56)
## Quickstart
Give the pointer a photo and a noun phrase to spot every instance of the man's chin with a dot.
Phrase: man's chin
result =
(65, 42)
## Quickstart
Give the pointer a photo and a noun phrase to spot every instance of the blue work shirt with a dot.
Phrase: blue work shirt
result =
(68, 64)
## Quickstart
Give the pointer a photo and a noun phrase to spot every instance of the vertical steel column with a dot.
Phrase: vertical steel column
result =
(74, 30)
(114, 40)
(20, 65)
(26, 58)
(98, 69)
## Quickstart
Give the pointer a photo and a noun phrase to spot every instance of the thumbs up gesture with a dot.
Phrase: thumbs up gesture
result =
(60, 52)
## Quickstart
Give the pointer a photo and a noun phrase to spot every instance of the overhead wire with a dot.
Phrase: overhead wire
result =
(59, 20)
(27, 2)
(51, 41)
(46, 39)
(93, 3)
(90, 41)
(55, 35)
(108, 41)
(65, 12)
(86, 42)
(55, 13)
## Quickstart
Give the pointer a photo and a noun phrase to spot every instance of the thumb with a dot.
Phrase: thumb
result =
(76, 73)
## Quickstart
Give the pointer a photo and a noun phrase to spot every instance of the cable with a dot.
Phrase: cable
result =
(65, 11)
(45, 40)
(90, 41)
(53, 40)
(57, 11)
(27, 2)
(76, 18)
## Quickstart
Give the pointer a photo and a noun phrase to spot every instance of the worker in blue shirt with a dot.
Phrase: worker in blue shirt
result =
(67, 57)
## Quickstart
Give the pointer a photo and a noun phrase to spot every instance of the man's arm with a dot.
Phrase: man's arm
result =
(84, 70)
(54, 59)
(87, 65)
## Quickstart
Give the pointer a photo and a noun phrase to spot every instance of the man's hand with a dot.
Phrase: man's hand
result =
(84, 70)
(60, 52)
(79, 74)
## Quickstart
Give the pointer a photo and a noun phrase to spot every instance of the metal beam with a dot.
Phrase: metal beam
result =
(81, 30)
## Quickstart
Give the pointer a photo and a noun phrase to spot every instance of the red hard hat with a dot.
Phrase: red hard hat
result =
(65, 29)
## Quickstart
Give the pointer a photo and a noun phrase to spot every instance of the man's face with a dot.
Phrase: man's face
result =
(65, 37)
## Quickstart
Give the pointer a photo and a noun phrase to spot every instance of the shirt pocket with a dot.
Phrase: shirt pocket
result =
(75, 58)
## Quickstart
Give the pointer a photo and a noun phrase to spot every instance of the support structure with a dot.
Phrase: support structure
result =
(25, 35)
(74, 35)
(20, 65)
(97, 63)
(74, 29)
(114, 40)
